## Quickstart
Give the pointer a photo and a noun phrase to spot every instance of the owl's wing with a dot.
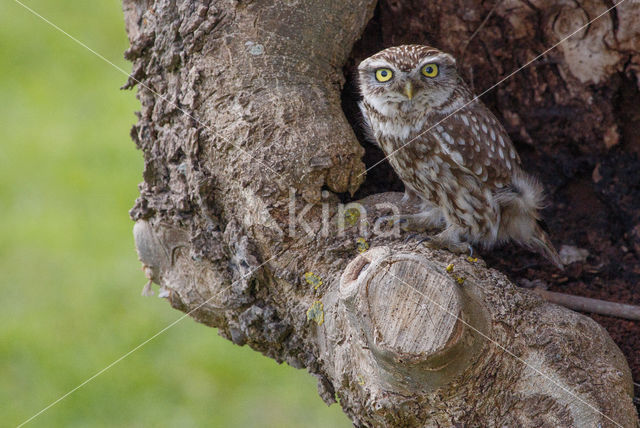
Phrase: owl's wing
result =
(475, 140)
(368, 132)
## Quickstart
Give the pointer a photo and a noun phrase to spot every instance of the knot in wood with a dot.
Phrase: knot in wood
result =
(568, 20)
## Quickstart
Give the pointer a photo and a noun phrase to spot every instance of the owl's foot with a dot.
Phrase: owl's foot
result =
(412, 236)
(419, 222)
(440, 244)
(445, 240)
(391, 220)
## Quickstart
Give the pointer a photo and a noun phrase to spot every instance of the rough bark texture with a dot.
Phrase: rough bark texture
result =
(242, 129)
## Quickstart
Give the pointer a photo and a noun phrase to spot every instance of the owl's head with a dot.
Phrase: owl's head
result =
(403, 78)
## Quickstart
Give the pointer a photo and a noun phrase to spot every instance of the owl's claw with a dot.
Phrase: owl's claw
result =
(392, 219)
(410, 237)
(441, 243)
(425, 239)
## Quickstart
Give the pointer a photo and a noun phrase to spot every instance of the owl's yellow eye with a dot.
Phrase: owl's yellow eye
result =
(430, 70)
(383, 74)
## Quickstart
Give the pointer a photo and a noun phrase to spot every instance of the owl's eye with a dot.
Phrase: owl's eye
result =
(430, 70)
(383, 74)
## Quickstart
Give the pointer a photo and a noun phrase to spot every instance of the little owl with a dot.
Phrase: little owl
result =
(450, 152)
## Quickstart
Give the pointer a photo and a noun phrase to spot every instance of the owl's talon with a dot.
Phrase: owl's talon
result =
(439, 243)
(391, 220)
(425, 239)
(410, 237)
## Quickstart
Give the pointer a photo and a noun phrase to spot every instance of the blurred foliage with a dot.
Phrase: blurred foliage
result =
(69, 276)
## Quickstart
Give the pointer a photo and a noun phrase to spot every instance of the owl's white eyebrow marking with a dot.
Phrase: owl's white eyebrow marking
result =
(379, 63)
(433, 58)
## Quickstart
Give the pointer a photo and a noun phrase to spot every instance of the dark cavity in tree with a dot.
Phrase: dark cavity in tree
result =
(591, 177)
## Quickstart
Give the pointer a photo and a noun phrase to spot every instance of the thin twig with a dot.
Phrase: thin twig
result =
(475, 33)
(595, 306)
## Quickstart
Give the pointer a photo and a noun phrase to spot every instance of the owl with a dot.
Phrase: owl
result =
(451, 153)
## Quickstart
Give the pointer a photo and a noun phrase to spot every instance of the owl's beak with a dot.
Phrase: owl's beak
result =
(408, 90)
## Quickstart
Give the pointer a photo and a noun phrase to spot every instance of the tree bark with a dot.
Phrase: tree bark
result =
(241, 220)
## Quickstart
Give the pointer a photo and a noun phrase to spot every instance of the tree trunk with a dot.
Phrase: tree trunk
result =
(243, 220)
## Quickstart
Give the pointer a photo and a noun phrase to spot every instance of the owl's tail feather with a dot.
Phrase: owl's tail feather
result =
(519, 217)
(541, 244)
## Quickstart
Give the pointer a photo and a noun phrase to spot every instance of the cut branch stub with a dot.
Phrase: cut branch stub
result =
(417, 322)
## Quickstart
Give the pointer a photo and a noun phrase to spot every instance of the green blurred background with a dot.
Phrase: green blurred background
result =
(69, 277)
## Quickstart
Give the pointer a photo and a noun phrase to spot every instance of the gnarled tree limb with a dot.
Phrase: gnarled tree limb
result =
(241, 128)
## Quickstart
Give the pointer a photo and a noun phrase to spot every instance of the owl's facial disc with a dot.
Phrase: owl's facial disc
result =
(407, 78)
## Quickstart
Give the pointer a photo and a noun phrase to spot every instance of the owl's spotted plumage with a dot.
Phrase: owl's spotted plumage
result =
(450, 151)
